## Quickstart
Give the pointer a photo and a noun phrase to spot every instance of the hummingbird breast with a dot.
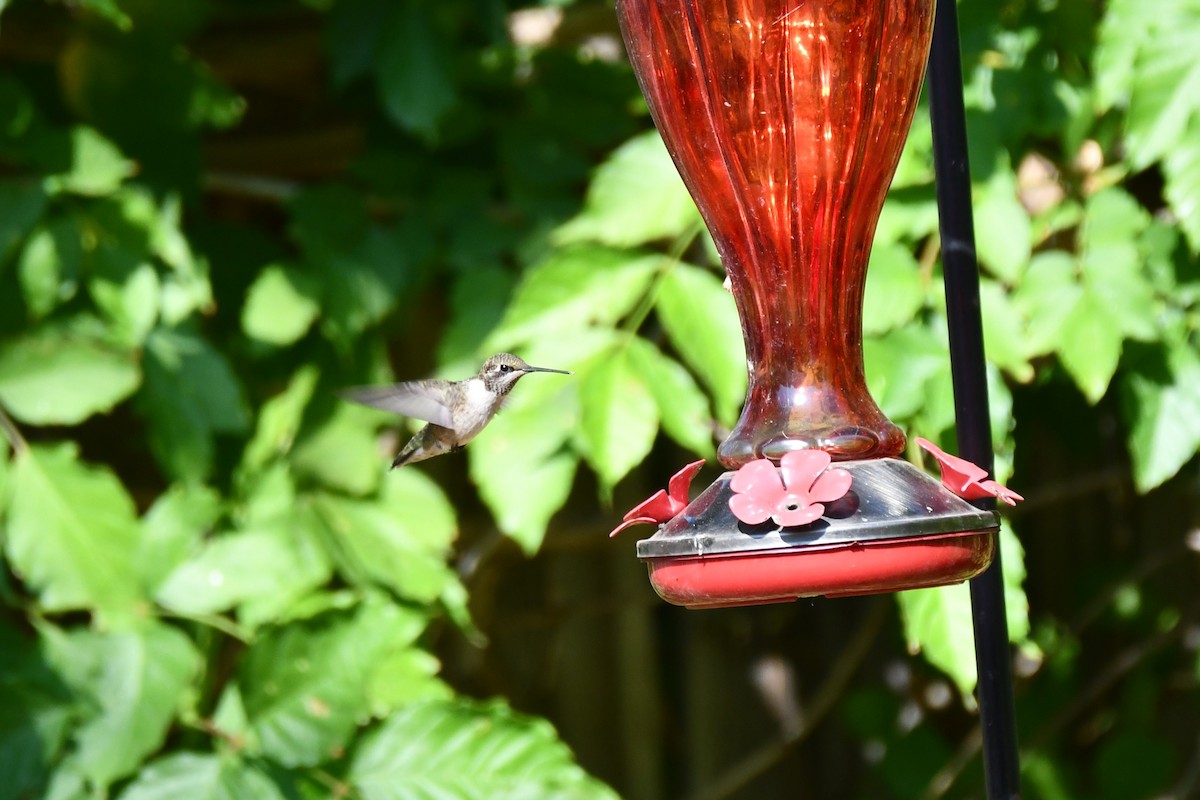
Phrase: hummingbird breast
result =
(479, 404)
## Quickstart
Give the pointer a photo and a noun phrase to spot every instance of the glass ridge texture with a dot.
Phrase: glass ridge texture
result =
(786, 119)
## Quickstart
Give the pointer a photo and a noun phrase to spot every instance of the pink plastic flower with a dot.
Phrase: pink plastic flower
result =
(663, 506)
(965, 479)
(792, 495)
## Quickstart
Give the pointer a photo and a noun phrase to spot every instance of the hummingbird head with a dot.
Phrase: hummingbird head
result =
(501, 372)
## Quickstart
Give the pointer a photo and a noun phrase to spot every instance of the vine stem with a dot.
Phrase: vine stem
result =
(12, 433)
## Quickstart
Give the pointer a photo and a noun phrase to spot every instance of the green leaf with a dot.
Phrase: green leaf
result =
(109, 10)
(279, 421)
(937, 624)
(72, 532)
(305, 686)
(129, 297)
(894, 293)
(522, 463)
(280, 306)
(49, 266)
(1016, 604)
(36, 714)
(191, 395)
(54, 376)
(1003, 331)
(635, 197)
(97, 166)
(466, 751)
(403, 677)
(572, 289)
(416, 86)
(137, 679)
(682, 408)
(1145, 61)
(361, 284)
(478, 301)
(1182, 190)
(900, 366)
(343, 453)
(1003, 230)
(1045, 298)
(1161, 404)
(201, 776)
(172, 528)
(21, 205)
(400, 541)
(618, 418)
(1112, 263)
(1090, 347)
(1166, 80)
(701, 321)
(265, 568)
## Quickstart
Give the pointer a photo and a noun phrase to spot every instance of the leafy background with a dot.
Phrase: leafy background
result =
(213, 214)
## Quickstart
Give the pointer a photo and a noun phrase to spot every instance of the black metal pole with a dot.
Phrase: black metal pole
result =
(1001, 763)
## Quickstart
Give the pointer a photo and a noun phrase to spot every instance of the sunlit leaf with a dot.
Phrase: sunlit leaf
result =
(97, 166)
(1003, 231)
(305, 686)
(1003, 331)
(201, 776)
(1090, 347)
(1161, 403)
(172, 528)
(1046, 297)
(129, 298)
(266, 568)
(399, 541)
(280, 306)
(635, 197)
(572, 289)
(279, 420)
(466, 751)
(1016, 604)
(937, 624)
(894, 293)
(137, 679)
(701, 321)
(55, 376)
(682, 408)
(618, 417)
(49, 266)
(343, 453)
(522, 463)
(72, 532)
(899, 367)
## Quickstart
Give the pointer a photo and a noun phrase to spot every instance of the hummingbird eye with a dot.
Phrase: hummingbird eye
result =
(505, 368)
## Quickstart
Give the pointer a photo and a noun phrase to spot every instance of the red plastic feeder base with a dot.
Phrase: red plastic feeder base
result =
(719, 581)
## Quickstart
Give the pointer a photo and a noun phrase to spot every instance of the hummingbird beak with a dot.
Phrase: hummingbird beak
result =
(546, 369)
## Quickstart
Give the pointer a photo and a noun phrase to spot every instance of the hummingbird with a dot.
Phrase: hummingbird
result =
(455, 410)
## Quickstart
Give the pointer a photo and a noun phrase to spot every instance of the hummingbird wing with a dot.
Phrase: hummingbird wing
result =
(426, 400)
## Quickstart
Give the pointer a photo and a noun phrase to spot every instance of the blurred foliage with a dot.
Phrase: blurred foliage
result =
(213, 214)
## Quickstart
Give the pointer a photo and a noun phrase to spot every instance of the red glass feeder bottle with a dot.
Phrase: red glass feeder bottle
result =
(786, 119)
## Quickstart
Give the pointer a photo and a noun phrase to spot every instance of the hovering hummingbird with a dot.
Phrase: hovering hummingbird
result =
(455, 410)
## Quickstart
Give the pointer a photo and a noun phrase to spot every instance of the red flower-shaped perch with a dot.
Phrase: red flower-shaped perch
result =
(792, 495)
(663, 506)
(965, 479)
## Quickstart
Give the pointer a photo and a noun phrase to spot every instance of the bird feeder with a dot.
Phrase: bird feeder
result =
(786, 119)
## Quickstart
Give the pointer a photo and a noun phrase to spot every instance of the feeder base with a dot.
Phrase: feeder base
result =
(722, 581)
(896, 529)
